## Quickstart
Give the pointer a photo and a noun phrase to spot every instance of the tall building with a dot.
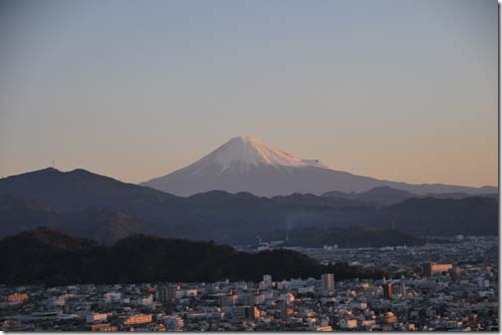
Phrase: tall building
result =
(168, 293)
(427, 269)
(456, 273)
(387, 290)
(328, 283)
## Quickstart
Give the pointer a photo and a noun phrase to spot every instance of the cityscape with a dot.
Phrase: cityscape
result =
(461, 295)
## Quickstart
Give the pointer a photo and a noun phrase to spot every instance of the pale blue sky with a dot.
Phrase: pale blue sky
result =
(398, 89)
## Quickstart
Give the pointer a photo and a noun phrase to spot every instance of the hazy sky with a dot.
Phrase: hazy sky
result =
(403, 90)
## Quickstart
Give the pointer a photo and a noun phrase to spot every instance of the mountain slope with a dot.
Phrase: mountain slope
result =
(103, 225)
(19, 214)
(79, 189)
(386, 196)
(247, 164)
(430, 216)
(381, 196)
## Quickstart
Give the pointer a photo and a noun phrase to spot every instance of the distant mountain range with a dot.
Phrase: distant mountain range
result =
(88, 205)
(44, 256)
(247, 164)
(385, 195)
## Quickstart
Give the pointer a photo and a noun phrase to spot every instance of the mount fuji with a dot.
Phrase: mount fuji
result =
(247, 164)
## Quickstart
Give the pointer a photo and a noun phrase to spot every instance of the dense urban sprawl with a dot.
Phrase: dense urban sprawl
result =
(448, 284)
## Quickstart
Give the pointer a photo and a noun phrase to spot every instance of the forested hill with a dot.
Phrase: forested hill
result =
(44, 256)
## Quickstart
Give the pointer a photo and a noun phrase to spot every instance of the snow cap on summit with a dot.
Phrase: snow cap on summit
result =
(247, 151)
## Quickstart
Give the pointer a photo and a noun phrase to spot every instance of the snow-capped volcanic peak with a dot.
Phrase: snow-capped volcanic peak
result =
(246, 164)
(243, 152)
